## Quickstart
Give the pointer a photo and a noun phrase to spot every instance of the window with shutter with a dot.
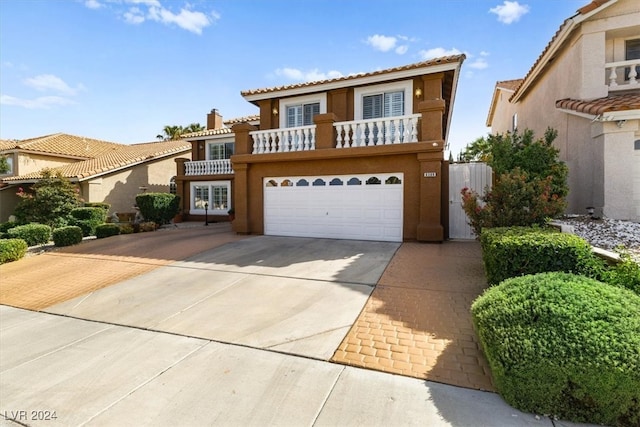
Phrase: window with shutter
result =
(302, 115)
(389, 104)
(632, 51)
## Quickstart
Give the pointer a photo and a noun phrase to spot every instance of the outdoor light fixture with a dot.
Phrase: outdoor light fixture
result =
(590, 210)
(275, 111)
(206, 218)
(418, 92)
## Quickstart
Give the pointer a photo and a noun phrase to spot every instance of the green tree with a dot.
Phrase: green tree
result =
(477, 151)
(4, 165)
(531, 183)
(172, 133)
(49, 201)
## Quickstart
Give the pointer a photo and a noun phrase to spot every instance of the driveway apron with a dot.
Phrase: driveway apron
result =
(292, 295)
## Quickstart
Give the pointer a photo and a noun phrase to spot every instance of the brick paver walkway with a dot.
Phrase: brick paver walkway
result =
(50, 278)
(417, 321)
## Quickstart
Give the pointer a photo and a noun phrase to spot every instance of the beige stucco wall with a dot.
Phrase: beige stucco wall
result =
(600, 165)
(120, 188)
(503, 113)
(29, 162)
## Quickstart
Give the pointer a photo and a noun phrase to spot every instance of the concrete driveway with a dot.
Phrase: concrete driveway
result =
(292, 295)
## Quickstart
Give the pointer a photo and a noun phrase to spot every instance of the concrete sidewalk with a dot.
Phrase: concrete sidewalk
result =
(92, 373)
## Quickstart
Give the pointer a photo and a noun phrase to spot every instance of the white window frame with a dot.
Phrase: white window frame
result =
(217, 142)
(360, 92)
(210, 185)
(320, 98)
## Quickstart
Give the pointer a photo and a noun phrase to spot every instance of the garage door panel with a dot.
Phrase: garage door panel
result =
(363, 212)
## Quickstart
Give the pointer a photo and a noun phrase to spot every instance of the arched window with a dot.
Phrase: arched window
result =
(173, 188)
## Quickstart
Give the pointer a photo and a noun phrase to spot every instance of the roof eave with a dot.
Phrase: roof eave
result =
(355, 81)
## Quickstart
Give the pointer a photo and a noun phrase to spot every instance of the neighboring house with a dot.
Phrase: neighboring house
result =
(585, 85)
(357, 157)
(114, 173)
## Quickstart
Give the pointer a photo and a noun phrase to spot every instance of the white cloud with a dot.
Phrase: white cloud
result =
(484, 53)
(510, 11)
(402, 49)
(43, 102)
(307, 76)
(186, 19)
(45, 82)
(134, 16)
(93, 4)
(382, 43)
(479, 64)
(438, 52)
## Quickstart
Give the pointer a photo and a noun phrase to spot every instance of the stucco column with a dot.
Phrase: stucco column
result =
(430, 227)
(431, 129)
(243, 141)
(241, 198)
(325, 132)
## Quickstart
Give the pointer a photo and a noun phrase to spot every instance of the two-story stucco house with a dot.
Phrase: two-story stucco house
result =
(357, 157)
(585, 84)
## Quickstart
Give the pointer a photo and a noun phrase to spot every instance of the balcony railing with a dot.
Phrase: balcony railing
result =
(302, 138)
(382, 131)
(208, 167)
(623, 75)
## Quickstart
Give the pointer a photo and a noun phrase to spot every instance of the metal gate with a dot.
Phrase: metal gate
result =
(477, 177)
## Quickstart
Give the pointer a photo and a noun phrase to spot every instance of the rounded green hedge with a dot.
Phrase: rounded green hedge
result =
(564, 345)
(67, 236)
(12, 250)
(107, 230)
(33, 234)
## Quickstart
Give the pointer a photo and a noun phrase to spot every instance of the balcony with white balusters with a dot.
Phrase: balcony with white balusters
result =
(623, 75)
(208, 167)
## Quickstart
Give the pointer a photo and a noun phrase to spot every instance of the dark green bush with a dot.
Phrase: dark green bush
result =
(88, 218)
(102, 205)
(125, 228)
(33, 234)
(12, 250)
(67, 236)
(6, 226)
(517, 251)
(107, 230)
(625, 274)
(563, 345)
(158, 207)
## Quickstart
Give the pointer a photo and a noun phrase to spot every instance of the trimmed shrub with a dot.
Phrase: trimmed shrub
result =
(12, 250)
(33, 234)
(102, 205)
(158, 207)
(125, 228)
(147, 226)
(625, 274)
(67, 236)
(88, 218)
(517, 251)
(107, 230)
(6, 226)
(563, 345)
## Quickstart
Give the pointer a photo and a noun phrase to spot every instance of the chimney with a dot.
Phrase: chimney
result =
(214, 120)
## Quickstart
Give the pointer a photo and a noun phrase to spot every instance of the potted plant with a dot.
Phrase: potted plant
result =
(232, 214)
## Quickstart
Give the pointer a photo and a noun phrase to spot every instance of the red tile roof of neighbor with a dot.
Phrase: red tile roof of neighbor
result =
(509, 84)
(120, 157)
(430, 62)
(556, 38)
(61, 144)
(630, 101)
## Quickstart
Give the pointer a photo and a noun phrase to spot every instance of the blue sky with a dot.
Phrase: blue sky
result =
(120, 70)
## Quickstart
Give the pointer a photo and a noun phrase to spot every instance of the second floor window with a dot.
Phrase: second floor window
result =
(388, 104)
(220, 151)
(632, 51)
(302, 115)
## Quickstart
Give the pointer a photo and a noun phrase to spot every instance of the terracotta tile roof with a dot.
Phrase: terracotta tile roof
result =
(222, 131)
(252, 118)
(62, 144)
(630, 101)
(560, 35)
(430, 62)
(509, 84)
(119, 157)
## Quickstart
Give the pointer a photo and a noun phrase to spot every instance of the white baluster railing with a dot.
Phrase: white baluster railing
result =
(382, 131)
(622, 75)
(208, 167)
(302, 138)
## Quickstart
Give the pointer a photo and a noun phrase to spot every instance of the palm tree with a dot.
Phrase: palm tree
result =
(172, 133)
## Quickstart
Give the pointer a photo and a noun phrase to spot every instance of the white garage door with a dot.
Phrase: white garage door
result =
(358, 207)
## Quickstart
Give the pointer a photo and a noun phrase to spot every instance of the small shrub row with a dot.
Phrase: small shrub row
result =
(67, 236)
(33, 234)
(517, 251)
(107, 230)
(12, 250)
(102, 205)
(88, 218)
(563, 345)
